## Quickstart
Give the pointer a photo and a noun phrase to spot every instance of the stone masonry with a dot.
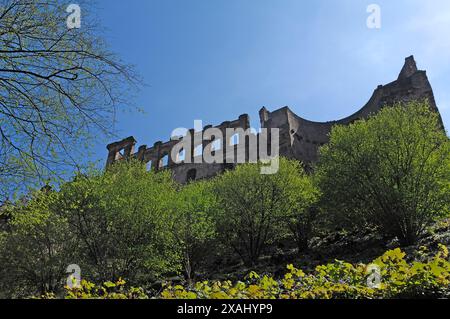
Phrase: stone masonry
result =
(298, 138)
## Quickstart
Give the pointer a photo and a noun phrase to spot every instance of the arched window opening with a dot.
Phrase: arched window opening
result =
(120, 154)
(234, 140)
(148, 166)
(181, 156)
(165, 160)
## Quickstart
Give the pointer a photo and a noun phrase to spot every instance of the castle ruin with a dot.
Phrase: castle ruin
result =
(298, 138)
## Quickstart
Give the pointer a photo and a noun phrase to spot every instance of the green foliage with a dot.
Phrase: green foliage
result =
(123, 221)
(194, 227)
(391, 171)
(60, 90)
(256, 209)
(115, 224)
(108, 290)
(36, 248)
(338, 280)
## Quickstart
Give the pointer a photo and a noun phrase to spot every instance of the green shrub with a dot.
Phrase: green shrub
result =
(107, 290)
(391, 171)
(36, 248)
(194, 227)
(257, 210)
(123, 221)
(113, 224)
(338, 280)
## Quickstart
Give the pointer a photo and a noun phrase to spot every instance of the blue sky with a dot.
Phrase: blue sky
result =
(213, 60)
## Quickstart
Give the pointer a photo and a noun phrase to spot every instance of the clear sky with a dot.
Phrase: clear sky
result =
(213, 60)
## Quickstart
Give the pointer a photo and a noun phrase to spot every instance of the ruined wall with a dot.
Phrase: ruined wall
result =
(192, 167)
(302, 138)
(298, 138)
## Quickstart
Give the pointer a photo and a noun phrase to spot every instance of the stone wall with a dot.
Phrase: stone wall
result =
(302, 138)
(299, 138)
(160, 156)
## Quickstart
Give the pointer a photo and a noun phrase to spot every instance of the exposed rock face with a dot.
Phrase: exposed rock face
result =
(298, 138)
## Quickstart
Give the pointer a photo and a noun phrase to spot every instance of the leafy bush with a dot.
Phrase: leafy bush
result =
(36, 248)
(391, 171)
(193, 224)
(255, 210)
(398, 278)
(338, 280)
(122, 219)
(107, 290)
(113, 224)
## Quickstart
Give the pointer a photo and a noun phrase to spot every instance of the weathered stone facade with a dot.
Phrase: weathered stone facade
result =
(298, 138)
